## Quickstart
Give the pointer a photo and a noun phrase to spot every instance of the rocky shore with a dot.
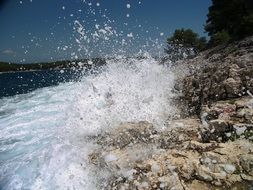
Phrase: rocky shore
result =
(209, 145)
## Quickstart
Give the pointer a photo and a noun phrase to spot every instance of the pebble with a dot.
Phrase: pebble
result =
(229, 168)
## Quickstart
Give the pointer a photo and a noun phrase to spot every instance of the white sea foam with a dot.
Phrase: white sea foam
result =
(44, 133)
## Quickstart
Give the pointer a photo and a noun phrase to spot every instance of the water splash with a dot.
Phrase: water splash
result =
(44, 134)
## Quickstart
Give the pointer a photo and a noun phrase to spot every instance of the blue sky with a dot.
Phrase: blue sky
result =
(46, 30)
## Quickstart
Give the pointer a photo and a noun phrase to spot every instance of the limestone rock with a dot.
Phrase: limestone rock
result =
(218, 74)
(185, 165)
(128, 134)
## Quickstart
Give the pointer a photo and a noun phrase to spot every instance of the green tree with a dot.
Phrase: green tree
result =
(220, 38)
(229, 20)
(201, 43)
(184, 43)
(187, 38)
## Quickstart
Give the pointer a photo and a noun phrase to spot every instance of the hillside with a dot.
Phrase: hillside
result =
(11, 67)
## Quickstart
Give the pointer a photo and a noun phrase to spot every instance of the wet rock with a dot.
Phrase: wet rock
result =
(229, 168)
(196, 184)
(246, 162)
(139, 156)
(178, 132)
(128, 134)
(190, 153)
(184, 165)
(246, 177)
(218, 74)
(246, 113)
(233, 87)
(243, 102)
(219, 126)
(202, 147)
(227, 120)
(217, 131)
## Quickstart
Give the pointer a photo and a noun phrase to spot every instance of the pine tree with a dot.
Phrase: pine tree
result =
(184, 43)
(231, 19)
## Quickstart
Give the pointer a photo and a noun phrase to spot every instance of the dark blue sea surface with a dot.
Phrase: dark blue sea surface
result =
(13, 83)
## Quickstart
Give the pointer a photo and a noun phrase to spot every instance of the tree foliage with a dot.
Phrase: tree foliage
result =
(187, 38)
(220, 38)
(184, 43)
(229, 20)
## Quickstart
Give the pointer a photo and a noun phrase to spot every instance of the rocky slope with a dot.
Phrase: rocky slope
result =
(219, 74)
(212, 148)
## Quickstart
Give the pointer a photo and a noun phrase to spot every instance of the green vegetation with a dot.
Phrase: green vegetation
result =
(187, 38)
(184, 43)
(220, 38)
(7, 67)
(229, 20)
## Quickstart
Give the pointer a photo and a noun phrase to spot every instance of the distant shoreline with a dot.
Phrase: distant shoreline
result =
(6, 72)
(56, 69)
(79, 64)
(6, 67)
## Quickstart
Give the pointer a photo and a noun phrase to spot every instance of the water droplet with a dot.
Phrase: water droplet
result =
(130, 35)
(128, 6)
